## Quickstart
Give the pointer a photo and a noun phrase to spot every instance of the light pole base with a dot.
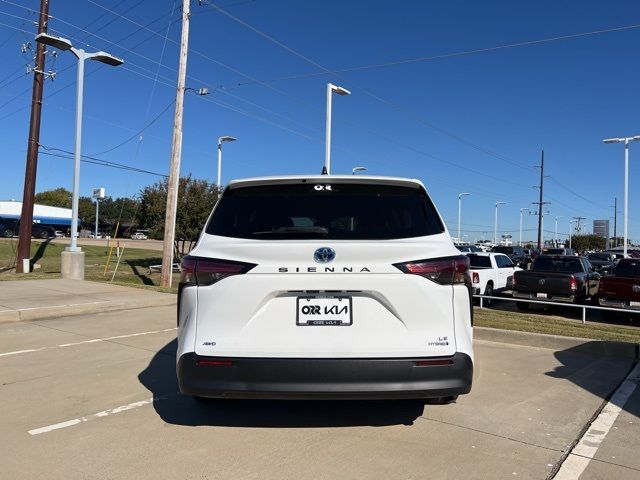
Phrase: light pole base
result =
(72, 265)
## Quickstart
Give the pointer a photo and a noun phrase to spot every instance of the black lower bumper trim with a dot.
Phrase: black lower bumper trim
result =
(323, 378)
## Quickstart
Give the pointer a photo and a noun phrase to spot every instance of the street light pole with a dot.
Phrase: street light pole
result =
(221, 140)
(495, 224)
(626, 141)
(97, 215)
(327, 148)
(556, 235)
(521, 211)
(460, 195)
(570, 224)
(73, 266)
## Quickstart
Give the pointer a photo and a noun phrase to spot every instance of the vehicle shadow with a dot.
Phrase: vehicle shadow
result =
(599, 367)
(177, 409)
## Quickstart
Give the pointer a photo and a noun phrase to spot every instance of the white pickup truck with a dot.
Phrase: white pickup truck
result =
(491, 273)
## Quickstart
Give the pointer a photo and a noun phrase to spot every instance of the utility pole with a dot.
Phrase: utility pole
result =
(540, 202)
(578, 220)
(176, 150)
(26, 216)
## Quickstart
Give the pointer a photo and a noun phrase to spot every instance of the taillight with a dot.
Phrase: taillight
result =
(207, 271)
(515, 277)
(445, 271)
(476, 277)
(573, 283)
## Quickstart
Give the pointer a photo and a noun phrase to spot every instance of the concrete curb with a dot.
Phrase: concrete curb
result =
(588, 346)
(40, 313)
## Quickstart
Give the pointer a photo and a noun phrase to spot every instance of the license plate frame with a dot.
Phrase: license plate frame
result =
(333, 320)
(542, 295)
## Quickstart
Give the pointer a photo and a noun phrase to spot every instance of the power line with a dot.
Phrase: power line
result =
(138, 133)
(96, 161)
(410, 114)
(447, 55)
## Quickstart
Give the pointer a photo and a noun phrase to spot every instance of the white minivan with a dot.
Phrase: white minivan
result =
(325, 287)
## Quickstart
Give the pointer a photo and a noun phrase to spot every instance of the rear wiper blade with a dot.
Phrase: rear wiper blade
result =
(294, 230)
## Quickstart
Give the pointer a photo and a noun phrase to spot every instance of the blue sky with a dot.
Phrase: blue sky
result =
(466, 123)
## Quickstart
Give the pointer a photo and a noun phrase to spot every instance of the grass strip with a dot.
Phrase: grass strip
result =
(553, 325)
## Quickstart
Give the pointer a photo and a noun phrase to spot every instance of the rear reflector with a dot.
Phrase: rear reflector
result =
(432, 363)
(214, 363)
(445, 271)
(207, 271)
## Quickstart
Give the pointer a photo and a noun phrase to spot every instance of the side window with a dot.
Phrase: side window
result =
(505, 262)
(588, 265)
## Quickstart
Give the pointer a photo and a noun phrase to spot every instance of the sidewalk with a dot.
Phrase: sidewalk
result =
(36, 299)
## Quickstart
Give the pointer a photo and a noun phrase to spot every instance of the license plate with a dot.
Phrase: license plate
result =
(542, 295)
(634, 304)
(318, 311)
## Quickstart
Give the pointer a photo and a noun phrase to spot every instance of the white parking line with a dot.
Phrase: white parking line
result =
(94, 340)
(102, 414)
(578, 460)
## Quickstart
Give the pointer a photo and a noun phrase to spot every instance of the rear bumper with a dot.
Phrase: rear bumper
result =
(550, 298)
(325, 378)
(615, 303)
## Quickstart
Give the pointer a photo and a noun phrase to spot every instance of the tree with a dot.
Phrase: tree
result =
(58, 197)
(112, 211)
(587, 242)
(196, 198)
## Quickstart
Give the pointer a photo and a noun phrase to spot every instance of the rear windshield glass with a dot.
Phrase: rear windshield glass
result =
(479, 261)
(551, 264)
(598, 256)
(345, 211)
(628, 269)
(505, 250)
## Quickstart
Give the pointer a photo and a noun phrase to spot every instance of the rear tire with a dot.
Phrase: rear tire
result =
(488, 291)
(8, 233)
(44, 235)
(522, 306)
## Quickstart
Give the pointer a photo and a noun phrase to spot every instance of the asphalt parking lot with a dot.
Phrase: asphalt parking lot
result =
(96, 397)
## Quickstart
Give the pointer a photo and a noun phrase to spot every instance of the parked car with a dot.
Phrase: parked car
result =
(59, 234)
(557, 251)
(325, 287)
(468, 248)
(484, 245)
(138, 236)
(491, 273)
(515, 253)
(603, 262)
(11, 228)
(622, 289)
(556, 279)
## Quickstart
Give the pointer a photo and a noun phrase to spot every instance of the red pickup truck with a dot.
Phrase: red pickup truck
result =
(622, 289)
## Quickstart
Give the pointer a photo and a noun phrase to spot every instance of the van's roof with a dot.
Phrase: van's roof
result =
(326, 179)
